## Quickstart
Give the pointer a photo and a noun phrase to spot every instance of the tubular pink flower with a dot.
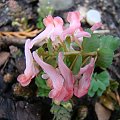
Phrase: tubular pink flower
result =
(74, 19)
(83, 79)
(80, 34)
(68, 77)
(58, 23)
(54, 27)
(75, 28)
(96, 26)
(48, 22)
(30, 70)
(62, 83)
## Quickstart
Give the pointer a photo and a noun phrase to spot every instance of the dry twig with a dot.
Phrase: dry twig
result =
(24, 34)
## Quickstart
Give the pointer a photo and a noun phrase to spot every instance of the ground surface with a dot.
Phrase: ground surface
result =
(19, 108)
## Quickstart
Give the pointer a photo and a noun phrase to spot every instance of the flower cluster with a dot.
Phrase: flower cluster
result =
(61, 80)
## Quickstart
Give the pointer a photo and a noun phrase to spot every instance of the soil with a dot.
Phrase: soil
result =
(29, 107)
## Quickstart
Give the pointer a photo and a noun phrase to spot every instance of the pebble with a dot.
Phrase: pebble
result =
(58, 4)
(93, 16)
(83, 11)
(8, 78)
(4, 56)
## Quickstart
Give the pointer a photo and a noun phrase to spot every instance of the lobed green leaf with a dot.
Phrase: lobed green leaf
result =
(99, 83)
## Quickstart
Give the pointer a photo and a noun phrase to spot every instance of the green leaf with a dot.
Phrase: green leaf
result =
(43, 89)
(99, 83)
(105, 57)
(68, 42)
(43, 92)
(95, 85)
(114, 85)
(91, 93)
(89, 30)
(49, 46)
(104, 77)
(40, 51)
(77, 64)
(40, 24)
(52, 61)
(69, 60)
(91, 44)
(109, 42)
(60, 112)
(41, 83)
(99, 92)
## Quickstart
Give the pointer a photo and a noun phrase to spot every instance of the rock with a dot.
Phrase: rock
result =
(102, 112)
(11, 109)
(4, 57)
(3, 86)
(93, 16)
(4, 15)
(58, 4)
(12, 9)
(20, 64)
(30, 1)
(82, 112)
(83, 11)
(8, 78)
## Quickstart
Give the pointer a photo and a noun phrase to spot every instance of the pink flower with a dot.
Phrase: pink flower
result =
(62, 80)
(30, 70)
(83, 79)
(96, 26)
(58, 23)
(54, 27)
(75, 28)
(79, 34)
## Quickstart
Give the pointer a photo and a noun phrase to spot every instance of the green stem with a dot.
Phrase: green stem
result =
(72, 53)
(73, 62)
(80, 52)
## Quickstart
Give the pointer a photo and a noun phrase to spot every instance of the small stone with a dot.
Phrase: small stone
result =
(82, 112)
(93, 16)
(3, 86)
(4, 57)
(20, 64)
(83, 11)
(102, 112)
(8, 77)
(58, 4)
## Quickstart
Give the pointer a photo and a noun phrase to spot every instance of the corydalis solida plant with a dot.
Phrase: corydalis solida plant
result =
(70, 63)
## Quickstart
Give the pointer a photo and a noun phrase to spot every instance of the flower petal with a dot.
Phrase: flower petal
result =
(74, 19)
(96, 26)
(67, 75)
(58, 22)
(48, 21)
(84, 81)
(58, 95)
(30, 71)
(57, 80)
(24, 80)
(80, 34)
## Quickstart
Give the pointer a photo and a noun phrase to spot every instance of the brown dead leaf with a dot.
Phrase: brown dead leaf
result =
(107, 102)
(4, 57)
(102, 112)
